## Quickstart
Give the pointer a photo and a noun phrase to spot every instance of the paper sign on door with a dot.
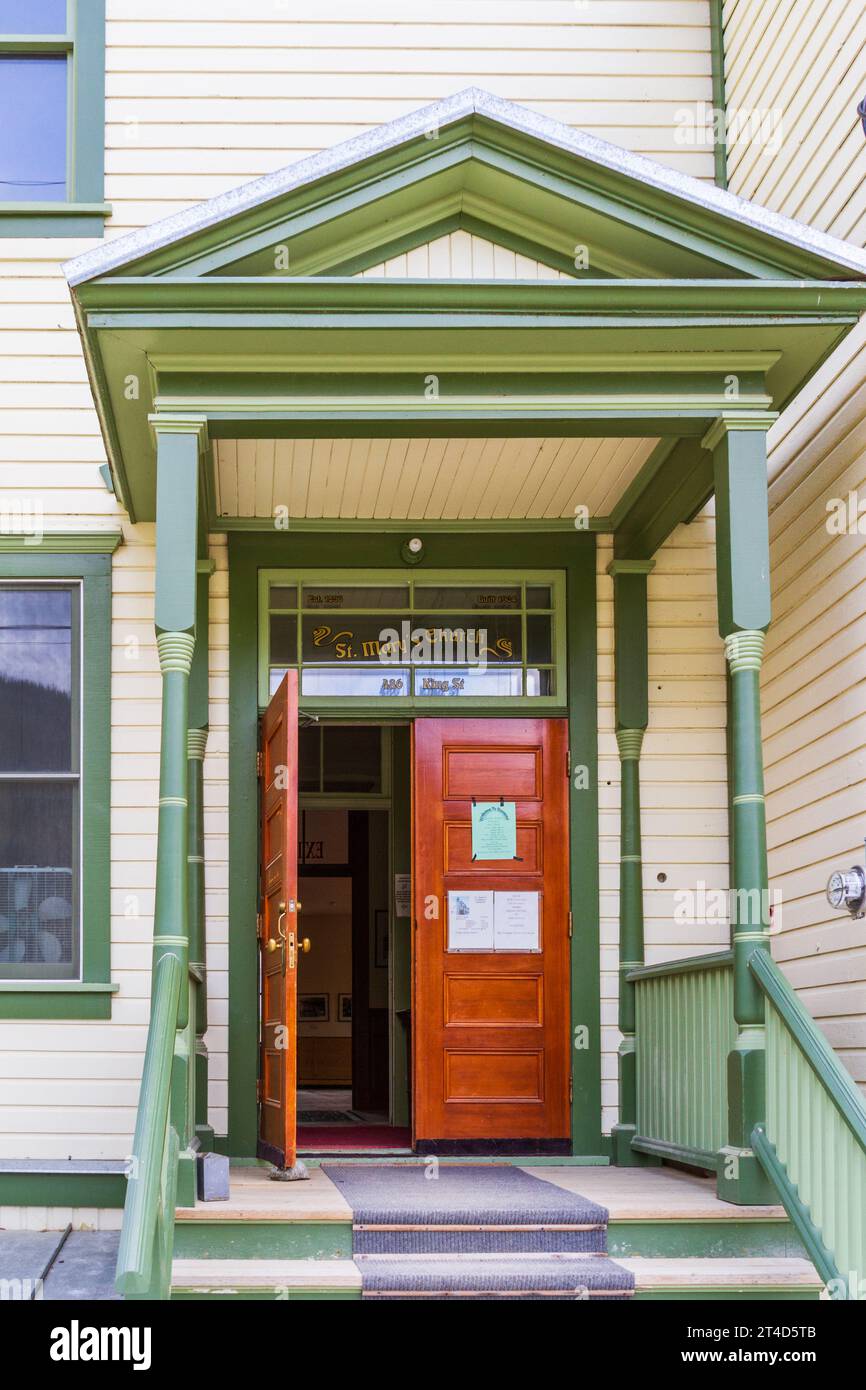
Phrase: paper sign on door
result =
(490, 921)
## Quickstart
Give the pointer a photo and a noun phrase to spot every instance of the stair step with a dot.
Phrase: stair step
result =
(564, 1277)
(739, 1279)
(266, 1279)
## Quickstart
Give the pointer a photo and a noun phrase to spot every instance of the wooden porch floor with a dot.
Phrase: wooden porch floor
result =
(630, 1194)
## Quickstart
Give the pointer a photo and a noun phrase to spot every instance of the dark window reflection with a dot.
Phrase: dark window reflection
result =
(38, 879)
(36, 680)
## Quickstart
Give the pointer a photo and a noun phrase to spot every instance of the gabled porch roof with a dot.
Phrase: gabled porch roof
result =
(681, 302)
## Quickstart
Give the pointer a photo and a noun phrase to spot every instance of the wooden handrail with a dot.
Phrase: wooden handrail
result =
(715, 960)
(143, 1203)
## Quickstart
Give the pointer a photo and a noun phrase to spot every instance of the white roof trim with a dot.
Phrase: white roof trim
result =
(122, 250)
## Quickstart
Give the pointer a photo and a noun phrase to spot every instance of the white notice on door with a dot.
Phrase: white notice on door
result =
(470, 921)
(515, 922)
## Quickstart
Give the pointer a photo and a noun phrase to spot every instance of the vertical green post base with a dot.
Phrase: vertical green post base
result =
(203, 1131)
(741, 1179)
(622, 1155)
(186, 1178)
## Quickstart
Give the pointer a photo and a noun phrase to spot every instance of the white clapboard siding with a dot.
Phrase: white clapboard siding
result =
(814, 693)
(794, 75)
(461, 256)
(683, 767)
(203, 96)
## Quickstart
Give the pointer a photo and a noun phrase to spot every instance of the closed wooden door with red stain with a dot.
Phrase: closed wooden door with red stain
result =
(490, 1027)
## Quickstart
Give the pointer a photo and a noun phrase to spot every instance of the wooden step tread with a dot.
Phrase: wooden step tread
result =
(223, 1275)
(698, 1272)
(265, 1274)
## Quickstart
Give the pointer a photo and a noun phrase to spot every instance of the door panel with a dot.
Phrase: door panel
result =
(491, 1048)
(278, 931)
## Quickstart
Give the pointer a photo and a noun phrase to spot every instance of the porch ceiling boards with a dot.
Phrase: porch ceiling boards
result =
(460, 479)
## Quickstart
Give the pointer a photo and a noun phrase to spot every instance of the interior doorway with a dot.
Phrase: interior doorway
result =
(349, 1033)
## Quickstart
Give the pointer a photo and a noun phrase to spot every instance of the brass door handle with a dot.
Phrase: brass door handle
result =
(305, 944)
(271, 945)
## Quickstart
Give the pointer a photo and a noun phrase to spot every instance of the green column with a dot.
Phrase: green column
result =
(196, 745)
(632, 711)
(738, 443)
(178, 449)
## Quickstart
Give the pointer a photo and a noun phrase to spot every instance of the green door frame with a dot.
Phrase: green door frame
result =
(575, 554)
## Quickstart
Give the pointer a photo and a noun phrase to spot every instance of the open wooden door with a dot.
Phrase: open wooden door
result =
(491, 1026)
(278, 927)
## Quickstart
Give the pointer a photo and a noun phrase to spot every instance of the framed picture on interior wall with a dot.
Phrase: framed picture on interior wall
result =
(380, 943)
(344, 1008)
(313, 1008)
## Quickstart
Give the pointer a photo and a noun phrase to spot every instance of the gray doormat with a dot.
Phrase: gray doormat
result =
(474, 1230)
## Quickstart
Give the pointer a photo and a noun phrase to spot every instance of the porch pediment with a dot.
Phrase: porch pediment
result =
(628, 301)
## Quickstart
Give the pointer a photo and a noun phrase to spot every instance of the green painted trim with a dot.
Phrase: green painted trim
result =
(836, 1081)
(676, 1153)
(262, 1240)
(704, 1238)
(62, 543)
(118, 301)
(800, 1215)
(85, 211)
(717, 960)
(717, 56)
(94, 573)
(248, 553)
(723, 1293)
(62, 1189)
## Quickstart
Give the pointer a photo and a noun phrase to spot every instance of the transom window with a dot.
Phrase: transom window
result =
(40, 774)
(420, 639)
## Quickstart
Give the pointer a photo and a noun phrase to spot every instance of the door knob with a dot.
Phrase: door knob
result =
(271, 945)
(306, 945)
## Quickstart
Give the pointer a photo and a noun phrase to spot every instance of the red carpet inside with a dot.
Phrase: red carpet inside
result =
(339, 1138)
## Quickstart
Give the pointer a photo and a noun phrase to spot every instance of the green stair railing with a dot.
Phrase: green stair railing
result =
(684, 1014)
(147, 1236)
(813, 1143)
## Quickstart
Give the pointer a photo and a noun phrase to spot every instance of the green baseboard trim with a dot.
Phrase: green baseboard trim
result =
(29, 999)
(262, 1240)
(724, 1239)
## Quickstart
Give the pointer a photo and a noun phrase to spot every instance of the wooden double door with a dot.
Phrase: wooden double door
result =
(490, 1027)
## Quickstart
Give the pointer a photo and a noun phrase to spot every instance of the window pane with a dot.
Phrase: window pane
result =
(38, 882)
(351, 638)
(540, 682)
(283, 596)
(353, 760)
(327, 597)
(36, 680)
(538, 640)
(32, 129)
(354, 680)
(470, 681)
(443, 639)
(538, 596)
(284, 638)
(475, 597)
(309, 742)
(32, 16)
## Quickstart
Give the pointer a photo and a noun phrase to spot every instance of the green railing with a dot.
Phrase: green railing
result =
(147, 1236)
(813, 1144)
(685, 1028)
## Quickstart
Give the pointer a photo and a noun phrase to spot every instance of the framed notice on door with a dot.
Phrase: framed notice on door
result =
(493, 921)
